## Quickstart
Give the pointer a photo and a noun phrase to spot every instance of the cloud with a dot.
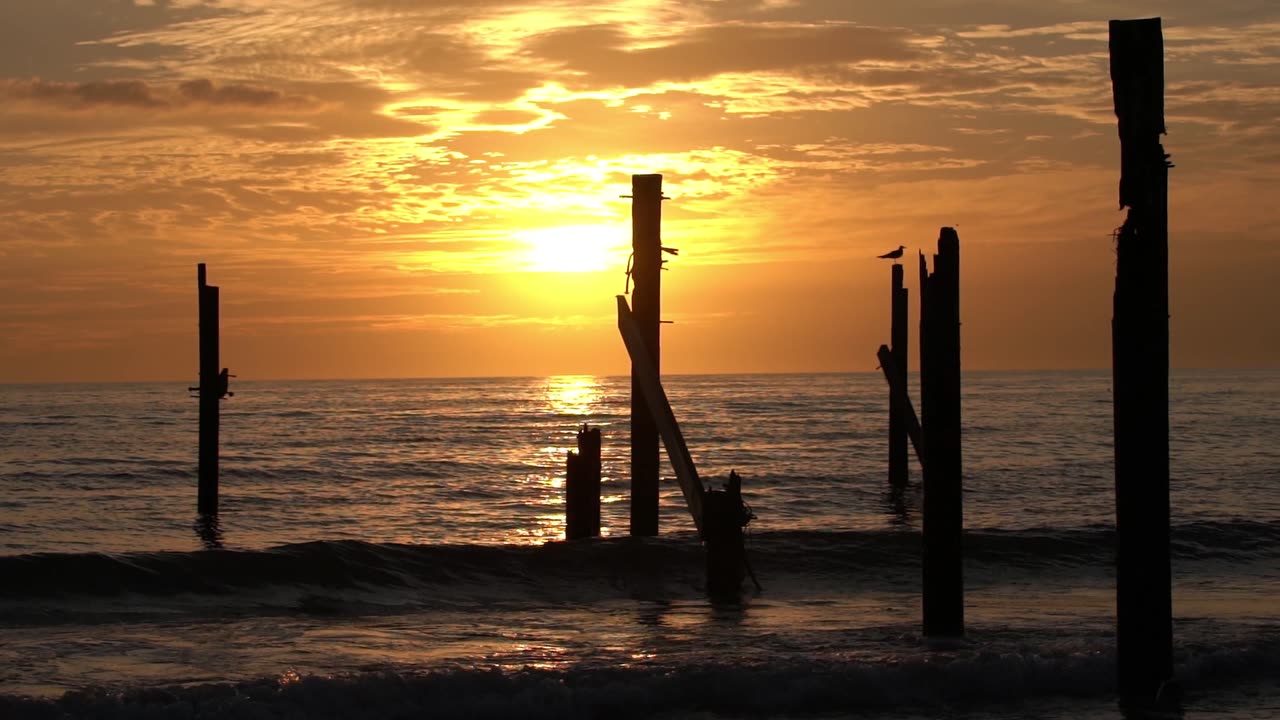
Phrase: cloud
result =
(606, 55)
(140, 94)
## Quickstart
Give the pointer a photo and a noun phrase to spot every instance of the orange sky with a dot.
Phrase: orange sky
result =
(393, 187)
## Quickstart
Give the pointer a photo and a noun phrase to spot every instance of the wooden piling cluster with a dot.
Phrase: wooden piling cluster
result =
(897, 376)
(942, 516)
(646, 277)
(582, 487)
(211, 389)
(1140, 366)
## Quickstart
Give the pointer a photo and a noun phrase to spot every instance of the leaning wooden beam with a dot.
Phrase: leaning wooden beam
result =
(1140, 367)
(644, 375)
(885, 356)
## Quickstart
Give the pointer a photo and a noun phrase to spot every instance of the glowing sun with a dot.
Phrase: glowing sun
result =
(573, 248)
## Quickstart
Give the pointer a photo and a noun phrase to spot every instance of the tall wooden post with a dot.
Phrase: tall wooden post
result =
(210, 392)
(898, 473)
(582, 487)
(1140, 366)
(646, 274)
(943, 519)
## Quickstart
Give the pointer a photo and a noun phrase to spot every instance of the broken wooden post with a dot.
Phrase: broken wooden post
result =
(1140, 367)
(582, 487)
(898, 473)
(207, 494)
(885, 356)
(718, 515)
(646, 275)
(942, 517)
(724, 516)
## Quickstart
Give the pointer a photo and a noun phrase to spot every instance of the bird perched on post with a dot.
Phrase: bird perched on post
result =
(893, 254)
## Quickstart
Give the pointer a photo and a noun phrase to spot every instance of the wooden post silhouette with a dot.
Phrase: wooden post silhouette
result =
(942, 516)
(210, 393)
(885, 356)
(643, 372)
(898, 473)
(582, 487)
(724, 516)
(1140, 367)
(646, 275)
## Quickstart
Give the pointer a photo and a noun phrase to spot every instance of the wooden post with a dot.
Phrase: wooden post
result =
(646, 275)
(942, 516)
(885, 356)
(724, 516)
(1140, 367)
(210, 392)
(663, 417)
(582, 487)
(898, 473)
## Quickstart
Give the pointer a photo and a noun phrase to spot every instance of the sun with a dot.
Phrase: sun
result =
(572, 248)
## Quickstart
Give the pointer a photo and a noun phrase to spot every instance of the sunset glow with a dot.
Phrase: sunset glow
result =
(574, 248)
(405, 189)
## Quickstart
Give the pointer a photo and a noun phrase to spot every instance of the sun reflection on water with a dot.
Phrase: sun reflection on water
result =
(574, 394)
(575, 398)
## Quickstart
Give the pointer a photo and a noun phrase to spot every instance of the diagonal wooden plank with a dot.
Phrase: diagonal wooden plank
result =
(663, 417)
(913, 423)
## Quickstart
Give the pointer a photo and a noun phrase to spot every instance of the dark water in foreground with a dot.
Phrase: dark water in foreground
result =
(391, 549)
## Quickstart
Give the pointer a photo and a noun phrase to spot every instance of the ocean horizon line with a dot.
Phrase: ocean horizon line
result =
(768, 373)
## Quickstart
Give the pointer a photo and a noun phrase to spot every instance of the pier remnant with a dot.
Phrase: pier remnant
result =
(724, 517)
(719, 515)
(582, 487)
(942, 516)
(646, 275)
(887, 365)
(898, 472)
(213, 386)
(1140, 367)
(645, 375)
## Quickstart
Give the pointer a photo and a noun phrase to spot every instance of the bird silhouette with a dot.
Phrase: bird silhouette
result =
(893, 254)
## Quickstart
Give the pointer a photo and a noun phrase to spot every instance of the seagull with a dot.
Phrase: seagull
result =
(893, 254)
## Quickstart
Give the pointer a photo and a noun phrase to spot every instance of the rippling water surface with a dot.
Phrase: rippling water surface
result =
(393, 544)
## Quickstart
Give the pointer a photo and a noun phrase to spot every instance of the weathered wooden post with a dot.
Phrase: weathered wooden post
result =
(719, 515)
(646, 274)
(885, 356)
(898, 473)
(1140, 367)
(210, 393)
(942, 516)
(723, 517)
(582, 487)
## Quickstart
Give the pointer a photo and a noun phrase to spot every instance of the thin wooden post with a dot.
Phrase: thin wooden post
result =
(1140, 367)
(943, 520)
(898, 472)
(582, 487)
(646, 275)
(210, 392)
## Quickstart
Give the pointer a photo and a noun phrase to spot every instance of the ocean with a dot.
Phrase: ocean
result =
(394, 548)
